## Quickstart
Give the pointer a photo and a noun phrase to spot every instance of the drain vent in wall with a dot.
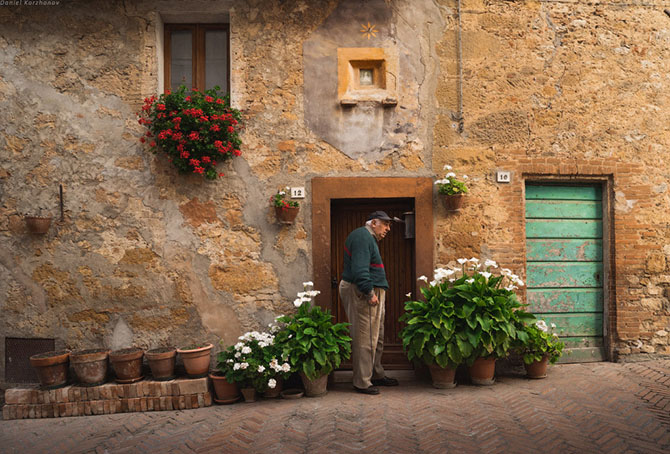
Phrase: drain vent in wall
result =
(17, 358)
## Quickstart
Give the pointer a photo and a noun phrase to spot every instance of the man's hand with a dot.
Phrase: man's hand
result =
(374, 300)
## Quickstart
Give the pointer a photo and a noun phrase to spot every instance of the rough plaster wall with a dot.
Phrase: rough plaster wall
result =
(173, 258)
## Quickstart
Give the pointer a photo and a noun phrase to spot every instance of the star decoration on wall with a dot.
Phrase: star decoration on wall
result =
(369, 30)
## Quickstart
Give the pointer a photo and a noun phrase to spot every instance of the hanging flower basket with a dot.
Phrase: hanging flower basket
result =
(453, 202)
(286, 215)
(37, 224)
(195, 130)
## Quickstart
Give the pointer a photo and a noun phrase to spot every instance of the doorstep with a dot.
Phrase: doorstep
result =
(146, 395)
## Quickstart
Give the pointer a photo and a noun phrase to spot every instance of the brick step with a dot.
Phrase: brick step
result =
(146, 395)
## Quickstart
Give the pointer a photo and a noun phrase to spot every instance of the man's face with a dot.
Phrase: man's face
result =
(380, 228)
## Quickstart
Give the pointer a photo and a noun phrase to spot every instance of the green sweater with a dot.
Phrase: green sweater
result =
(362, 262)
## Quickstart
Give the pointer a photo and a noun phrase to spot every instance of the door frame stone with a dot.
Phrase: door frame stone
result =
(324, 189)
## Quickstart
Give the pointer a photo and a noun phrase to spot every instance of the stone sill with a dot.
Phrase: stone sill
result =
(147, 395)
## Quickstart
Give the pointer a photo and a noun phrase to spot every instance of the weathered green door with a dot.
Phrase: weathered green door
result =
(564, 264)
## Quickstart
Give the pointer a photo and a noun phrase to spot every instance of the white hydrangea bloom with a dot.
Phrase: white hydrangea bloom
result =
(239, 346)
(542, 325)
(238, 354)
(244, 365)
(272, 383)
(261, 369)
(286, 367)
(246, 350)
(262, 344)
(236, 366)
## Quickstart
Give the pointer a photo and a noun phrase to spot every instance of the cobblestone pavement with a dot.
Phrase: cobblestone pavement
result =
(580, 408)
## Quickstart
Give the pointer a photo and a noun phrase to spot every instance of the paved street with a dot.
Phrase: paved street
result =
(580, 408)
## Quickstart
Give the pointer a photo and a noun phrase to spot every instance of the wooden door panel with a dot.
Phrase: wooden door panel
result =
(398, 257)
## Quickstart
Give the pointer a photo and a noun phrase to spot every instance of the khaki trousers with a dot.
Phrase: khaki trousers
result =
(367, 333)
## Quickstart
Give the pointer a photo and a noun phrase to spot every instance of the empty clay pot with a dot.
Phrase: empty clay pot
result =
(127, 364)
(90, 366)
(161, 361)
(51, 368)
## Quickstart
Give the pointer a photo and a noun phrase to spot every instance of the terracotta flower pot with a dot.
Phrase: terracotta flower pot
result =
(537, 369)
(196, 360)
(51, 368)
(37, 224)
(226, 392)
(161, 362)
(453, 202)
(273, 393)
(127, 364)
(90, 366)
(483, 370)
(443, 377)
(286, 215)
(249, 394)
(317, 387)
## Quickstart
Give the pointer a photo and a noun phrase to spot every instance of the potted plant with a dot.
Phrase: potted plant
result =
(196, 358)
(161, 362)
(540, 347)
(127, 364)
(226, 390)
(90, 366)
(485, 313)
(452, 189)
(285, 210)
(312, 342)
(196, 130)
(51, 368)
(428, 335)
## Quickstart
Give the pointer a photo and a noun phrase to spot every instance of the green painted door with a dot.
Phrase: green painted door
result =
(564, 265)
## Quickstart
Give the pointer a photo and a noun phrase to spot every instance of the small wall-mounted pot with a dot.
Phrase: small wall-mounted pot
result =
(38, 224)
(286, 215)
(453, 202)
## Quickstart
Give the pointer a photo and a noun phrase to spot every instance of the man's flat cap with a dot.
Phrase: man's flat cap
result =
(379, 215)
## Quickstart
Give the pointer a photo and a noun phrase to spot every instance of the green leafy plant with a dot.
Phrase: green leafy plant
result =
(195, 130)
(310, 339)
(279, 200)
(472, 314)
(254, 362)
(540, 341)
(450, 185)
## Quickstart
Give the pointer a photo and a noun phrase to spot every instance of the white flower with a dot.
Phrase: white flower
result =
(408, 295)
(261, 369)
(423, 278)
(239, 345)
(474, 260)
(553, 325)
(462, 261)
(505, 271)
(229, 361)
(469, 281)
(272, 383)
(281, 193)
(485, 274)
(511, 287)
(236, 366)
(313, 293)
(297, 302)
(447, 167)
(465, 177)
(246, 350)
(453, 279)
(450, 175)
(238, 354)
(433, 283)
(262, 344)
(446, 181)
(308, 284)
(286, 367)
(488, 263)
(542, 325)
(244, 365)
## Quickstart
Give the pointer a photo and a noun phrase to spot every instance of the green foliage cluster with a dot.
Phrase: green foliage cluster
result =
(310, 339)
(279, 200)
(540, 342)
(466, 314)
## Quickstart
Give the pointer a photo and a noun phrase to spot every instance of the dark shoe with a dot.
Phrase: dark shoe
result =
(386, 381)
(368, 390)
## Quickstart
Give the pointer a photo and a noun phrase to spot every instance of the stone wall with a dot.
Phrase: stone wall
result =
(144, 256)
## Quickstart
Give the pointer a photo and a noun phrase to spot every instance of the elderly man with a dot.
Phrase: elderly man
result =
(363, 292)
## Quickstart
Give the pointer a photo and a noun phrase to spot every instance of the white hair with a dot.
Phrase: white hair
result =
(369, 222)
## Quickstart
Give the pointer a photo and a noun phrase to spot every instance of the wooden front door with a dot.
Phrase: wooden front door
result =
(398, 257)
(564, 264)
